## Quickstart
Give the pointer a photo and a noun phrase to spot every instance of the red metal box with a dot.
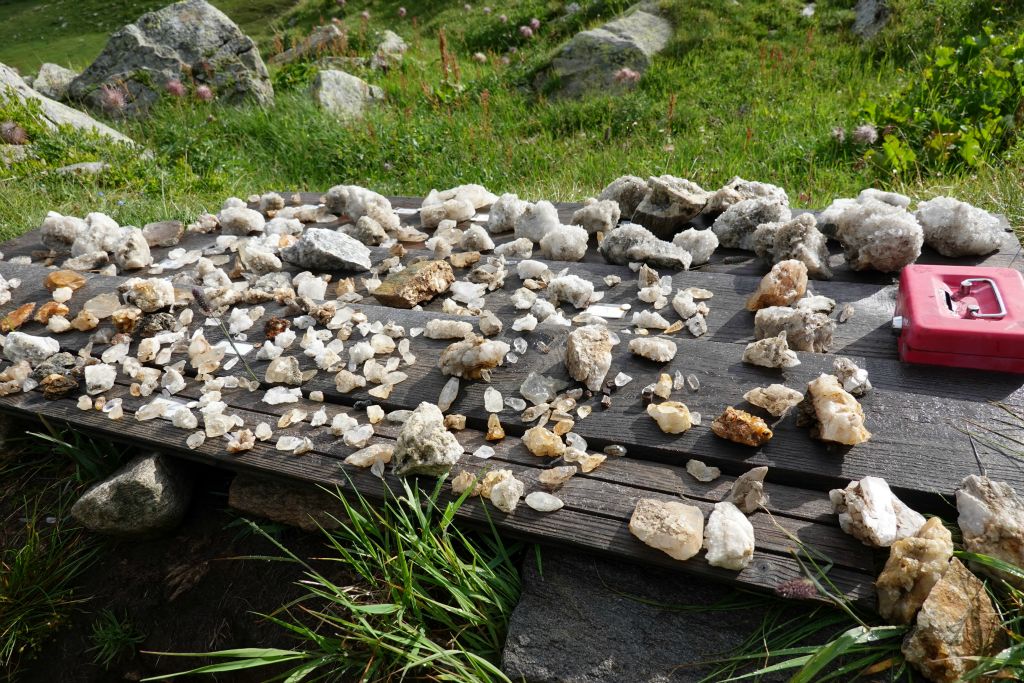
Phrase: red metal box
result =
(961, 316)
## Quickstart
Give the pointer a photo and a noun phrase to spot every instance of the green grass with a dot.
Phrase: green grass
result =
(114, 639)
(800, 77)
(431, 601)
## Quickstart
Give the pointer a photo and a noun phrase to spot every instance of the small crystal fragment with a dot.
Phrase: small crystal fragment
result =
(748, 492)
(692, 382)
(701, 472)
(672, 417)
(657, 349)
(492, 400)
(543, 502)
(495, 432)
(506, 493)
(484, 452)
(543, 442)
(741, 427)
(448, 394)
(663, 387)
(777, 399)
(728, 537)
(195, 440)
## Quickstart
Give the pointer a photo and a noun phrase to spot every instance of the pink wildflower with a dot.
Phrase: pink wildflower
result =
(401, 12)
(365, 15)
(487, 10)
(865, 134)
(535, 24)
(503, 19)
(204, 93)
(526, 32)
(174, 88)
(112, 98)
(839, 134)
(479, 57)
(626, 75)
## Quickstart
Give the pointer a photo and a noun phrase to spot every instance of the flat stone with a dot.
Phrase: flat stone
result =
(304, 506)
(322, 249)
(420, 282)
(147, 496)
(583, 619)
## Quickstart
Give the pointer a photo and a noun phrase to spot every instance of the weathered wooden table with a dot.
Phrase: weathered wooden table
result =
(921, 418)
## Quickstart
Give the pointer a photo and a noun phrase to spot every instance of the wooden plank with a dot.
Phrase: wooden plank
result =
(604, 533)
(915, 412)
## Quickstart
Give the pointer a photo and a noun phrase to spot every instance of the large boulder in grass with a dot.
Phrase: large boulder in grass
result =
(53, 81)
(343, 94)
(147, 496)
(609, 58)
(192, 42)
(53, 113)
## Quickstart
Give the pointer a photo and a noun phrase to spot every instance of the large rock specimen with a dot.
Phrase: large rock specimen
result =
(322, 249)
(956, 624)
(53, 81)
(728, 537)
(669, 203)
(992, 521)
(190, 42)
(424, 445)
(673, 527)
(53, 113)
(344, 95)
(915, 565)
(870, 18)
(420, 282)
(149, 495)
(954, 228)
(832, 413)
(869, 511)
(588, 355)
(596, 60)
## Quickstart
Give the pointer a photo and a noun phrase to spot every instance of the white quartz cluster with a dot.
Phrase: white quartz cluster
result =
(870, 512)
(95, 241)
(875, 234)
(954, 228)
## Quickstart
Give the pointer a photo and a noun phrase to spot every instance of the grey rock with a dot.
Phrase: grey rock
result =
(190, 41)
(320, 249)
(323, 40)
(83, 168)
(871, 17)
(53, 81)
(147, 496)
(590, 60)
(163, 233)
(632, 243)
(12, 154)
(575, 623)
(54, 113)
(343, 94)
(390, 51)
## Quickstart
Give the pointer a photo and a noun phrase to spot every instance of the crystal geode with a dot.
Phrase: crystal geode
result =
(875, 235)
(424, 446)
(954, 228)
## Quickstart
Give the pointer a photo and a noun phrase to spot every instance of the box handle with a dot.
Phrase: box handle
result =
(974, 311)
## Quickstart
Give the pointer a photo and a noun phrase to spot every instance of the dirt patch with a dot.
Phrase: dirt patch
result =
(187, 592)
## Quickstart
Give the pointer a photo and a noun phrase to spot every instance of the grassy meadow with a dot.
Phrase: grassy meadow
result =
(753, 88)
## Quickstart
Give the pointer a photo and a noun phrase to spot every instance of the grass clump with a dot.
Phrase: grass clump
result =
(430, 601)
(113, 639)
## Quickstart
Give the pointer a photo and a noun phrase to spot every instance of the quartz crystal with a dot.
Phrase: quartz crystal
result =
(701, 472)
(543, 502)
(777, 399)
(772, 352)
(505, 494)
(741, 427)
(870, 512)
(556, 477)
(728, 537)
(495, 432)
(700, 243)
(424, 445)
(597, 215)
(543, 442)
(447, 329)
(25, 347)
(991, 517)
(956, 229)
(805, 330)
(832, 413)
(492, 400)
(588, 355)
(98, 378)
(564, 243)
(472, 358)
(782, 286)
(670, 526)
(672, 417)
(657, 349)
(854, 379)
(736, 225)
(571, 289)
(915, 565)
(748, 492)
(875, 234)
(278, 395)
